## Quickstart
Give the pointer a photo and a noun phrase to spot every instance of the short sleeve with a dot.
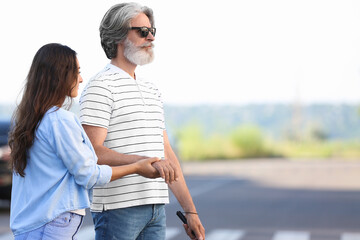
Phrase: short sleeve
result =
(96, 104)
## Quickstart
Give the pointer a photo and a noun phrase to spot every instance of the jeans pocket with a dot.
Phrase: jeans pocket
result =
(63, 227)
(61, 221)
(23, 236)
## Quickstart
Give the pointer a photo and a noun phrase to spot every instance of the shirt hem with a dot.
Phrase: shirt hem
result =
(105, 207)
(46, 221)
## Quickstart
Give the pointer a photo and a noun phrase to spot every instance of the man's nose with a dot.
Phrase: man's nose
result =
(150, 37)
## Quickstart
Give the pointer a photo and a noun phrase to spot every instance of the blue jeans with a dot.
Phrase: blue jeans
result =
(63, 227)
(146, 222)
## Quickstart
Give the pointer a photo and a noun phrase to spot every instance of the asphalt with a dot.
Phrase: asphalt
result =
(322, 174)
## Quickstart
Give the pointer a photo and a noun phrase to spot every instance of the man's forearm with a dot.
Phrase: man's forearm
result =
(110, 157)
(179, 188)
(106, 156)
(182, 194)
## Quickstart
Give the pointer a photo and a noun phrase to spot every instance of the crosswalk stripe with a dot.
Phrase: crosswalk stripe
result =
(171, 232)
(225, 234)
(88, 233)
(293, 235)
(7, 236)
(350, 236)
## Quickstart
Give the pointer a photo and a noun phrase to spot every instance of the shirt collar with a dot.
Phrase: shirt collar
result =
(114, 69)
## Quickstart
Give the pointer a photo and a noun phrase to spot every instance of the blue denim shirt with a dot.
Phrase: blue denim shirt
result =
(61, 170)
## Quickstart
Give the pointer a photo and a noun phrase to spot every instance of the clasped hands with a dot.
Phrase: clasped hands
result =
(156, 167)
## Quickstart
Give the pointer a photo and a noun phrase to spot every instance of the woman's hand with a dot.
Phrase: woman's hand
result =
(144, 167)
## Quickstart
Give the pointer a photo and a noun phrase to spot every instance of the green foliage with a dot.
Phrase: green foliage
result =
(244, 142)
(248, 141)
(191, 142)
(327, 121)
(320, 149)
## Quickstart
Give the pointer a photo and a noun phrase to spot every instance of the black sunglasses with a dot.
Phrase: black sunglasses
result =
(144, 31)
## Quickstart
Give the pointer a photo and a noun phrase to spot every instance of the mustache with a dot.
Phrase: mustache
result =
(148, 44)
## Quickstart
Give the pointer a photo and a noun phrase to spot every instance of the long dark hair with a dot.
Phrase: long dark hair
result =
(51, 78)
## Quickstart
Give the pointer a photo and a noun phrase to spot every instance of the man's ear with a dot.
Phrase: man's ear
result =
(123, 41)
(120, 46)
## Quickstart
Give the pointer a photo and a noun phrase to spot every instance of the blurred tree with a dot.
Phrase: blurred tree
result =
(316, 132)
(190, 141)
(249, 139)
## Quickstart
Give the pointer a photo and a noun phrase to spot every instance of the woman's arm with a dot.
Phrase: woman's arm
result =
(142, 167)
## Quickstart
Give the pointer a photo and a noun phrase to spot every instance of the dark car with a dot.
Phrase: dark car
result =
(5, 172)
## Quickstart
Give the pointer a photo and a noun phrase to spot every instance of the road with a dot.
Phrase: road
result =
(265, 200)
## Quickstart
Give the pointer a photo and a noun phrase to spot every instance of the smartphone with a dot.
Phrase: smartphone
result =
(181, 216)
(183, 219)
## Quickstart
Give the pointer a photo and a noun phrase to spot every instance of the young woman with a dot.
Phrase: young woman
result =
(53, 161)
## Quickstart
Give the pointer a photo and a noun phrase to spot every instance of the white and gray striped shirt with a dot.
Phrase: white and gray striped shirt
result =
(132, 112)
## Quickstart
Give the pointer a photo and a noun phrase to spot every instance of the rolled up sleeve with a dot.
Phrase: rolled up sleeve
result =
(72, 146)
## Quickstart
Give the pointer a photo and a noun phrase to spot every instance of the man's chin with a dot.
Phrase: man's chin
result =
(142, 60)
(145, 62)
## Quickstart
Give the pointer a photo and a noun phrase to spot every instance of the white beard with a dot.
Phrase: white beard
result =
(136, 54)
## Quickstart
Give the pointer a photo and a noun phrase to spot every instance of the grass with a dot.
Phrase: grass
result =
(249, 142)
(320, 149)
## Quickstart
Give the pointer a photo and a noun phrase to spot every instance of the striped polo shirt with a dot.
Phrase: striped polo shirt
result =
(132, 112)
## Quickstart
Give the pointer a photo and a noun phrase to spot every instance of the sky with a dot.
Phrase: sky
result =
(206, 52)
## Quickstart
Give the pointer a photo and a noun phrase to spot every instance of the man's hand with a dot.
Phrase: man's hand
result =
(167, 170)
(145, 167)
(194, 226)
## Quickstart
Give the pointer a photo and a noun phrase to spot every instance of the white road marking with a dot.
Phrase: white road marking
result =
(291, 235)
(350, 236)
(88, 233)
(225, 234)
(172, 232)
(7, 236)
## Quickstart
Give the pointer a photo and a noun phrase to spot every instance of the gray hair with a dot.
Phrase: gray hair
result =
(115, 25)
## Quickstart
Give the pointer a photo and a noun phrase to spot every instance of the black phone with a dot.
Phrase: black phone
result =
(183, 219)
(181, 216)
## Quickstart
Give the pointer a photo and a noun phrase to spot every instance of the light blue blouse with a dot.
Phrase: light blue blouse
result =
(60, 173)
